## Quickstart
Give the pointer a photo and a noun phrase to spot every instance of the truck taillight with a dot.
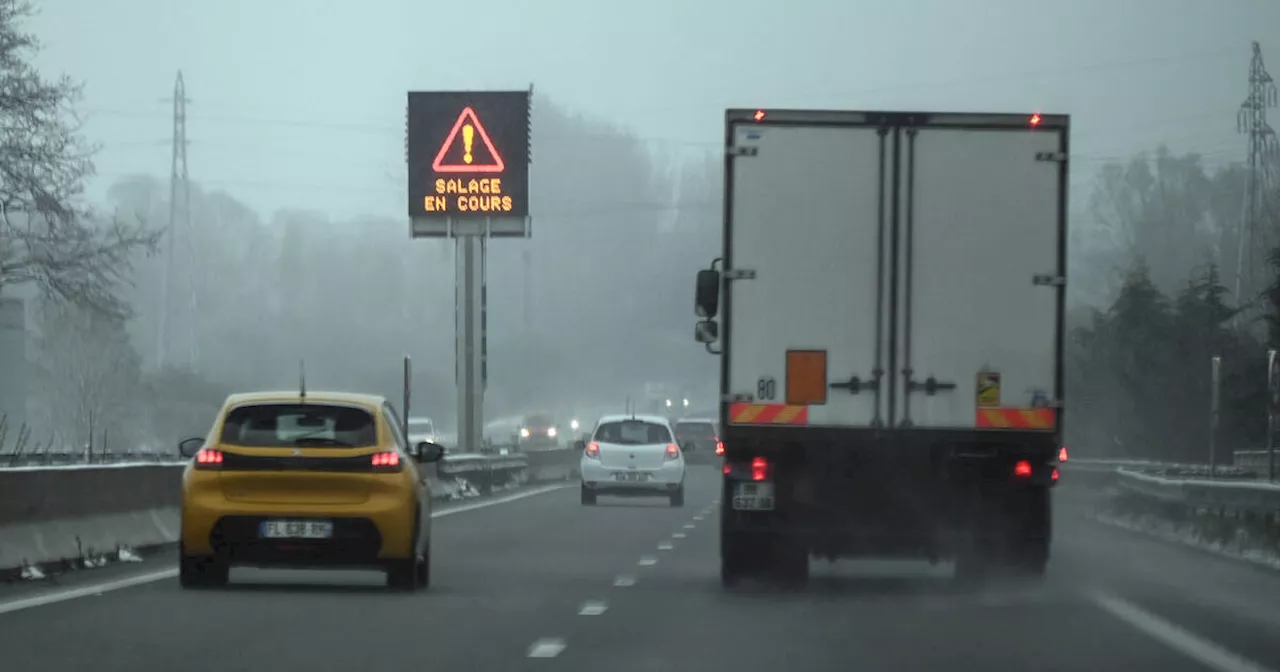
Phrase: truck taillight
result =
(1062, 454)
(673, 452)
(1055, 474)
(759, 469)
(593, 451)
(209, 458)
(719, 447)
(1022, 469)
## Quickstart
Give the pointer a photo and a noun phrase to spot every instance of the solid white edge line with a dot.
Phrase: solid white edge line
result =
(546, 647)
(86, 591)
(161, 575)
(500, 500)
(1175, 637)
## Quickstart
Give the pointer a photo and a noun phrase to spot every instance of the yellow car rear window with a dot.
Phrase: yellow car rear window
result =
(299, 425)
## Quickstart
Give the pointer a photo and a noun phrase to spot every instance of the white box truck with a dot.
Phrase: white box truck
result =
(888, 308)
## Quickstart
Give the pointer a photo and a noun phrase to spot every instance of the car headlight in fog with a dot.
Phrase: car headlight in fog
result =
(668, 403)
(551, 432)
(524, 433)
(573, 424)
(686, 403)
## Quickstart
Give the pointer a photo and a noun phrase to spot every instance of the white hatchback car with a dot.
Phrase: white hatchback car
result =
(632, 455)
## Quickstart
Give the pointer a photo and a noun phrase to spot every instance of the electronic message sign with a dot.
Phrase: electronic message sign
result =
(468, 154)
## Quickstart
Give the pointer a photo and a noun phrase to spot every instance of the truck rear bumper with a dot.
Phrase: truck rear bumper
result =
(913, 494)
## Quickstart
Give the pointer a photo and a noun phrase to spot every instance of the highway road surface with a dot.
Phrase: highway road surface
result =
(535, 581)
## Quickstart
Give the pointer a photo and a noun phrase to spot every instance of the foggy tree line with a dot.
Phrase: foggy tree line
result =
(1139, 371)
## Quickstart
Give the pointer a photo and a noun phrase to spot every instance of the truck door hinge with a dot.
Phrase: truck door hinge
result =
(1046, 280)
(856, 384)
(736, 398)
(1053, 157)
(742, 151)
(930, 386)
(739, 274)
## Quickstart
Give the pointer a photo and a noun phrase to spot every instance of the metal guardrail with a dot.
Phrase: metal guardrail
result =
(1234, 504)
(1224, 496)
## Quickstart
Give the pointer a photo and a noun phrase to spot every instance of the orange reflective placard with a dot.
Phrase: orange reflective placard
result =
(807, 377)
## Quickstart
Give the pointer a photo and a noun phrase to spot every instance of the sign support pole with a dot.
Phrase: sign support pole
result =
(1215, 377)
(1273, 404)
(471, 339)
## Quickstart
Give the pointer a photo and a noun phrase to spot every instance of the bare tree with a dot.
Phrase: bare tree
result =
(48, 236)
(92, 372)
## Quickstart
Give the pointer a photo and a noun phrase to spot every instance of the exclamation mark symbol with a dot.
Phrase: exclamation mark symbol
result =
(468, 135)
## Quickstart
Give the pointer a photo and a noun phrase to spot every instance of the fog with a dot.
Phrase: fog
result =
(298, 246)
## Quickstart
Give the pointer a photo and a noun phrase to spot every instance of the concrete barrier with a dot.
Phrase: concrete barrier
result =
(55, 514)
(61, 513)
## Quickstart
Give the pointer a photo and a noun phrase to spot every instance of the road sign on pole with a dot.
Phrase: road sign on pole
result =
(468, 154)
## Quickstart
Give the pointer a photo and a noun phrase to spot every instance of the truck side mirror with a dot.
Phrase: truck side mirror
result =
(706, 301)
(706, 331)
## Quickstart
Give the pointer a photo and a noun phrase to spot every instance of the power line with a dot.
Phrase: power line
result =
(398, 131)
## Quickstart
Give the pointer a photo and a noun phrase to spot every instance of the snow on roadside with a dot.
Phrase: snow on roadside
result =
(1241, 548)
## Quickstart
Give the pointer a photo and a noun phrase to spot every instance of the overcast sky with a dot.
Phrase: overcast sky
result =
(300, 103)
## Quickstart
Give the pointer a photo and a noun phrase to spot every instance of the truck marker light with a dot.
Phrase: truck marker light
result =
(1035, 120)
(758, 116)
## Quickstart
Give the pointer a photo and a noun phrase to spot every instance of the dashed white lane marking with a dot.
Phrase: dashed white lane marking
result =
(546, 647)
(164, 574)
(593, 608)
(648, 561)
(678, 535)
(689, 526)
(698, 517)
(665, 545)
(1177, 638)
(624, 581)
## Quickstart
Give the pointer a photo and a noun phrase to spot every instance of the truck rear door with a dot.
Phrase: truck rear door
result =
(805, 203)
(980, 272)
(894, 269)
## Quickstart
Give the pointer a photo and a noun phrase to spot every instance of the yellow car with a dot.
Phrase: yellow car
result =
(306, 479)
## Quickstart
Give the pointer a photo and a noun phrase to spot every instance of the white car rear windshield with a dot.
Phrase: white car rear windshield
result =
(632, 433)
(299, 425)
(421, 427)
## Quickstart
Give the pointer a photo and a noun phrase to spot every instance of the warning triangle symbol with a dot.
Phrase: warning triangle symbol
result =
(459, 152)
